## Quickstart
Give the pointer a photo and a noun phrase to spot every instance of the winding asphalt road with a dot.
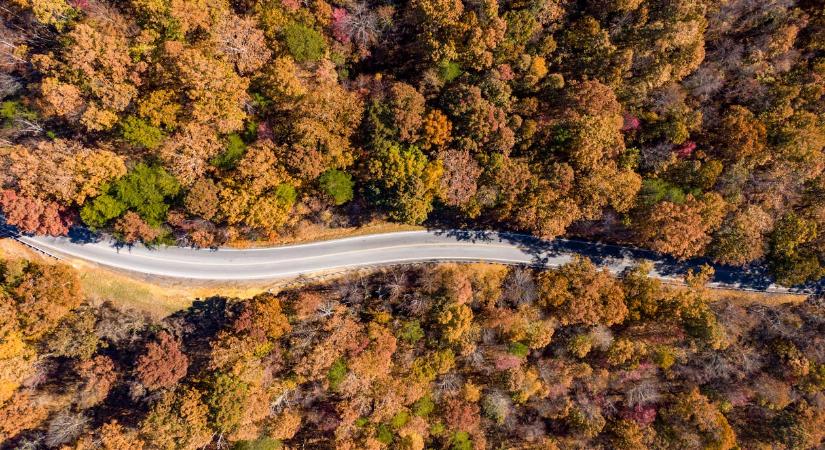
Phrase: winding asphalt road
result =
(272, 263)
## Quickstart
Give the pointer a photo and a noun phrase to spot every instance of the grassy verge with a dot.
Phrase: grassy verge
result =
(159, 297)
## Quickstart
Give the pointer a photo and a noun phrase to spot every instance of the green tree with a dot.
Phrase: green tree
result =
(145, 190)
(98, 212)
(304, 43)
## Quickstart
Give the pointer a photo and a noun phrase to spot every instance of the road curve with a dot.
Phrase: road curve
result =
(226, 264)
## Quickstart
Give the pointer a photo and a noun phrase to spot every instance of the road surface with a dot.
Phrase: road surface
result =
(273, 263)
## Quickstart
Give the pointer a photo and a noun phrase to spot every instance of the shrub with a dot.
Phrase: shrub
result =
(655, 190)
(518, 349)
(424, 406)
(286, 194)
(449, 71)
(461, 441)
(384, 434)
(337, 184)
(411, 332)
(336, 373)
(580, 345)
(235, 148)
(400, 419)
(664, 357)
(11, 110)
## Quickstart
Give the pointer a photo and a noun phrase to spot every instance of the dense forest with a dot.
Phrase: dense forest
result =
(690, 127)
(453, 357)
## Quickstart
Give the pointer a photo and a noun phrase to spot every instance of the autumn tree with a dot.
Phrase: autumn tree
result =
(693, 418)
(404, 181)
(261, 167)
(242, 42)
(44, 294)
(260, 322)
(582, 44)
(479, 125)
(792, 260)
(188, 151)
(94, 78)
(214, 90)
(98, 376)
(460, 181)
(131, 228)
(319, 126)
(741, 238)
(202, 198)
(406, 109)
(22, 412)
(455, 321)
(114, 436)
(436, 130)
(178, 420)
(75, 336)
(741, 136)
(643, 293)
(61, 170)
(162, 364)
(581, 294)
(683, 230)
(32, 215)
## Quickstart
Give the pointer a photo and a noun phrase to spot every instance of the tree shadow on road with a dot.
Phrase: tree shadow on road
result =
(755, 277)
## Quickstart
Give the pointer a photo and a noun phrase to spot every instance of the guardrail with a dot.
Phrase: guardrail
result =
(7, 233)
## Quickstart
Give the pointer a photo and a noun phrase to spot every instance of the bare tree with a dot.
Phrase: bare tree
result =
(361, 25)
(601, 337)
(449, 384)
(642, 393)
(414, 304)
(519, 287)
(65, 427)
(396, 283)
(9, 86)
(119, 325)
(10, 42)
(497, 405)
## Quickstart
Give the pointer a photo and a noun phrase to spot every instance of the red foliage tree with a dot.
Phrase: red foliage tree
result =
(461, 415)
(33, 215)
(163, 364)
